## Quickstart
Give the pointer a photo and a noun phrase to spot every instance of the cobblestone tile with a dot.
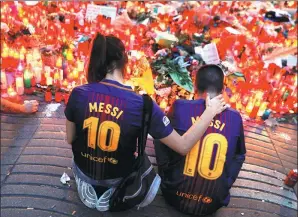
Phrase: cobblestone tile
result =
(2, 178)
(52, 121)
(11, 142)
(262, 156)
(52, 128)
(11, 151)
(38, 191)
(8, 134)
(45, 160)
(49, 143)
(262, 187)
(264, 163)
(40, 180)
(5, 169)
(48, 151)
(7, 126)
(49, 135)
(262, 206)
(28, 212)
(47, 204)
(246, 193)
(8, 159)
(259, 149)
(42, 169)
(263, 178)
(25, 135)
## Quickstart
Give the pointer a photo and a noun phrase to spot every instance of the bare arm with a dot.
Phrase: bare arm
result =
(70, 131)
(183, 144)
(11, 107)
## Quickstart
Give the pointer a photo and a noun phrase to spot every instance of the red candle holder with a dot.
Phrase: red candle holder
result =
(58, 97)
(48, 96)
(66, 97)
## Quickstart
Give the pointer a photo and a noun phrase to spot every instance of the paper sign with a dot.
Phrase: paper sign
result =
(94, 10)
(233, 31)
(209, 53)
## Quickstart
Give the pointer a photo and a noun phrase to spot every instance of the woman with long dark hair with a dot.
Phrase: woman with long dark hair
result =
(104, 120)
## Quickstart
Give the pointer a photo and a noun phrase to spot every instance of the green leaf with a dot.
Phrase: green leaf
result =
(184, 83)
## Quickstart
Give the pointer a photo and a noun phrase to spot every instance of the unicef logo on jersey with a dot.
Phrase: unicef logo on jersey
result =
(166, 121)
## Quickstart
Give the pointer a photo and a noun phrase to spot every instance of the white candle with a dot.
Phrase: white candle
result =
(49, 81)
(37, 73)
(20, 85)
(60, 74)
(80, 66)
(3, 80)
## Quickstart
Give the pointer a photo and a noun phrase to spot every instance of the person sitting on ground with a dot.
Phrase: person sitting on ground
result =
(199, 183)
(104, 121)
(26, 108)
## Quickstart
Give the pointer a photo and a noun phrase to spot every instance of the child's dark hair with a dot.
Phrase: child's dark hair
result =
(107, 54)
(210, 78)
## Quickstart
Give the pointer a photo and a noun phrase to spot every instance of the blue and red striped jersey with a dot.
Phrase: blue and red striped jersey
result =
(199, 183)
(108, 117)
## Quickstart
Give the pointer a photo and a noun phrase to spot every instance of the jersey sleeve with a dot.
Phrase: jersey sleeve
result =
(160, 124)
(241, 149)
(69, 110)
(239, 156)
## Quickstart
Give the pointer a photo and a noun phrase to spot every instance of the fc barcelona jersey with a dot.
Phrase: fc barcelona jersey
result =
(199, 182)
(108, 117)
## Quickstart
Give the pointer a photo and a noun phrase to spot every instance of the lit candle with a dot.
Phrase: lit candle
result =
(75, 74)
(249, 106)
(255, 109)
(59, 62)
(262, 109)
(80, 66)
(65, 83)
(27, 78)
(37, 74)
(82, 79)
(20, 85)
(163, 104)
(11, 92)
(3, 80)
(49, 81)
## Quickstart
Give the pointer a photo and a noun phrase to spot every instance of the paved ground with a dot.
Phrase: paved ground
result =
(34, 155)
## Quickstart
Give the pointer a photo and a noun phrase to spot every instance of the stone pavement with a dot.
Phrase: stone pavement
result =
(34, 155)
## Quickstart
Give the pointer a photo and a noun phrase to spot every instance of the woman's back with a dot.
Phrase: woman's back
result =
(108, 117)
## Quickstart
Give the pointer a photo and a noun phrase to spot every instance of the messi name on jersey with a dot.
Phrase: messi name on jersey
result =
(106, 108)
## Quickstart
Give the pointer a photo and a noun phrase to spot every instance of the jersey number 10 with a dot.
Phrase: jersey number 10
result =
(106, 128)
(205, 159)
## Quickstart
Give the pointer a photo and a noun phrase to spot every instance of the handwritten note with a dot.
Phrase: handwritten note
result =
(94, 10)
(209, 53)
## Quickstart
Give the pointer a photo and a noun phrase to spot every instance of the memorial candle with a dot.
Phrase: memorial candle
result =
(3, 80)
(80, 66)
(262, 109)
(163, 104)
(49, 81)
(37, 74)
(75, 74)
(20, 85)
(27, 78)
(11, 93)
(48, 96)
(58, 96)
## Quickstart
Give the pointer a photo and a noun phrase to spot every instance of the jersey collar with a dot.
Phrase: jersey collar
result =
(115, 84)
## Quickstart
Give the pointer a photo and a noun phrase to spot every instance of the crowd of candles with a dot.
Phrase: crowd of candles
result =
(67, 69)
